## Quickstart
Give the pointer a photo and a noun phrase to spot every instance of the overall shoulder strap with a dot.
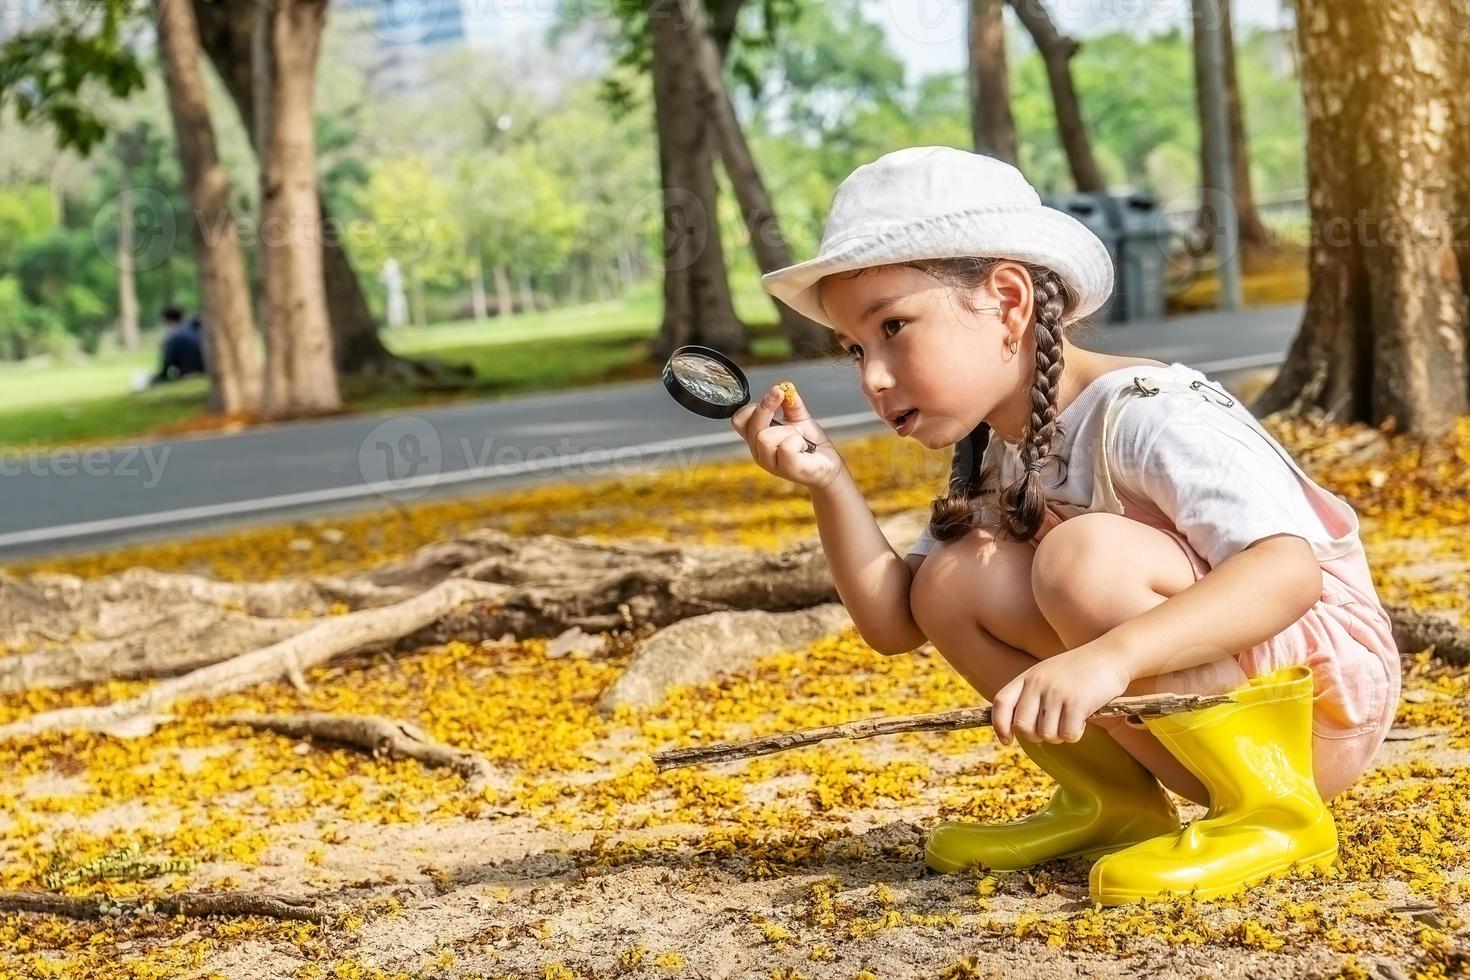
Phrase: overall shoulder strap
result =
(1104, 495)
(1339, 518)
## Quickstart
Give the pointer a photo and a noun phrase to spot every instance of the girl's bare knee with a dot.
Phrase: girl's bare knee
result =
(981, 580)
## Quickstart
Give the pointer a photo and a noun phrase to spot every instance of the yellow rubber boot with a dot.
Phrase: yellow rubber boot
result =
(1254, 755)
(1106, 800)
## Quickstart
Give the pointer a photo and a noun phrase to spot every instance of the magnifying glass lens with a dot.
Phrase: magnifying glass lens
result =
(709, 379)
(710, 384)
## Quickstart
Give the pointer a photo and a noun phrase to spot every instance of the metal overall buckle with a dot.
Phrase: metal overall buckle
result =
(1144, 388)
(1201, 387)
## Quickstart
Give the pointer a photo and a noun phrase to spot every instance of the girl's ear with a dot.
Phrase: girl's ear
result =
(1012, 285)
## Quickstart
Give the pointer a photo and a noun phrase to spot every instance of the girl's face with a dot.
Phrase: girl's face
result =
(930, 367)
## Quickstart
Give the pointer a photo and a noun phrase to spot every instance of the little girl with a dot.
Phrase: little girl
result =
(1114, 525)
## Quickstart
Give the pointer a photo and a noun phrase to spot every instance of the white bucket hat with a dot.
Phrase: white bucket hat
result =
(935, 202)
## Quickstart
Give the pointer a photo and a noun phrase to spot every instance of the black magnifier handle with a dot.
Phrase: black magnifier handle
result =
(811, 447)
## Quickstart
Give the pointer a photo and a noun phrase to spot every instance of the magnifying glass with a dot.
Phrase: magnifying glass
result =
(710, 384)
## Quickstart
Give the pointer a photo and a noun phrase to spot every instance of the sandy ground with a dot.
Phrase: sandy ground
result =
(829, 891)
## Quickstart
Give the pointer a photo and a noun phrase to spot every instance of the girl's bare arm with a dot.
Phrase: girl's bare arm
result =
(872, 579)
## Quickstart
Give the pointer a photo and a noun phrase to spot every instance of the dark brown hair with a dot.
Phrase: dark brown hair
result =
(1023, 503)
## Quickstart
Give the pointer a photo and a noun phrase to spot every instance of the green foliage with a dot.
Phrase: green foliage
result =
(759, 28)
(1141, 118)
(26, 210)
(52, 74)
(25, 328)
(573, 181)
(63, 273)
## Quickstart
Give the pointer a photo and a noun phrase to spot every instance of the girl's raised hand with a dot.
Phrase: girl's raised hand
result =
(781, 449)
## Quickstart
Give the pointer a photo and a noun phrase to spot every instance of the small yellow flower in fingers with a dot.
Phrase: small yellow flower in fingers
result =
(788, 395)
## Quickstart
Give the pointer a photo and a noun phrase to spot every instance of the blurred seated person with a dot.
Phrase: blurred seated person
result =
(183, 352)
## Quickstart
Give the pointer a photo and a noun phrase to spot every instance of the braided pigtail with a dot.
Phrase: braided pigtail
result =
(1024, 502)
(959, 510)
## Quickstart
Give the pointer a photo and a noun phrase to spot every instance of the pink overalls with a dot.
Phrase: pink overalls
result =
(1345, 637)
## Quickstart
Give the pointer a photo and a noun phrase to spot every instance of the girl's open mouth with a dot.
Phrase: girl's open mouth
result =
(904, 424)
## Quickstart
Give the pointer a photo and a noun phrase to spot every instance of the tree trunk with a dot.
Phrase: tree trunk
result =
(419, 305)
(477, 289)
(574, 284)
(227, 31)
(528, 296)
(301, 376)
(355, 342)
(505, 303)
(127, 278)
(767, 240)
(1384, 335)
(605, 281)
(229, 324)
(991, 124)
(1253, 233)
(129, 155)
(626, 272)
(697, 304)
(1057, 50)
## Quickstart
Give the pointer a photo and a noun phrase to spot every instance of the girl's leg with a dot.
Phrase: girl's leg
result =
(975, 598)
(1098, 570)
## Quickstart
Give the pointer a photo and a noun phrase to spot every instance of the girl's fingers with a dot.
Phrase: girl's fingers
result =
(740, 418)
(767, 439)
(765, 410)
(789, 453)
(1072, 725)
(1056, 721)
(1023, 722)
(1046, 722)
(794, 442)
(793, 409)
(1001, 711)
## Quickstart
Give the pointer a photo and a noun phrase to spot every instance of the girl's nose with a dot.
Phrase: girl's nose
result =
(876, 377)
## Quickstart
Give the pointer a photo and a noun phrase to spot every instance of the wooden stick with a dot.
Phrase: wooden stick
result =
(377, 735)
(941, 721)
(179, 903)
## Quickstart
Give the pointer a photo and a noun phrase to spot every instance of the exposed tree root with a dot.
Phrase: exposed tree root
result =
(208, 638)
(1414, 631)
(142, 624)
(290, 658)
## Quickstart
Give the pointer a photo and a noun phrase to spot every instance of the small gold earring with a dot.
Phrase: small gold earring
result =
(1014, 346)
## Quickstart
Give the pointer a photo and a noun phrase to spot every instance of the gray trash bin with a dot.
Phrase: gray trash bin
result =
(1096, 212)
(1143, 249)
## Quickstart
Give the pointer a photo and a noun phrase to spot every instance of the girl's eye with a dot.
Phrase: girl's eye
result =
(856, 353)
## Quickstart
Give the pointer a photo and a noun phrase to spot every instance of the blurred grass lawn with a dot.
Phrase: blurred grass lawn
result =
(91, 401)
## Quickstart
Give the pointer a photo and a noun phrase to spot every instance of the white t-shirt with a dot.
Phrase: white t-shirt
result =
(1210, 472)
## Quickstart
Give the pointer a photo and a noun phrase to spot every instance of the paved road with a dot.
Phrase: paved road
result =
(81, 499)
